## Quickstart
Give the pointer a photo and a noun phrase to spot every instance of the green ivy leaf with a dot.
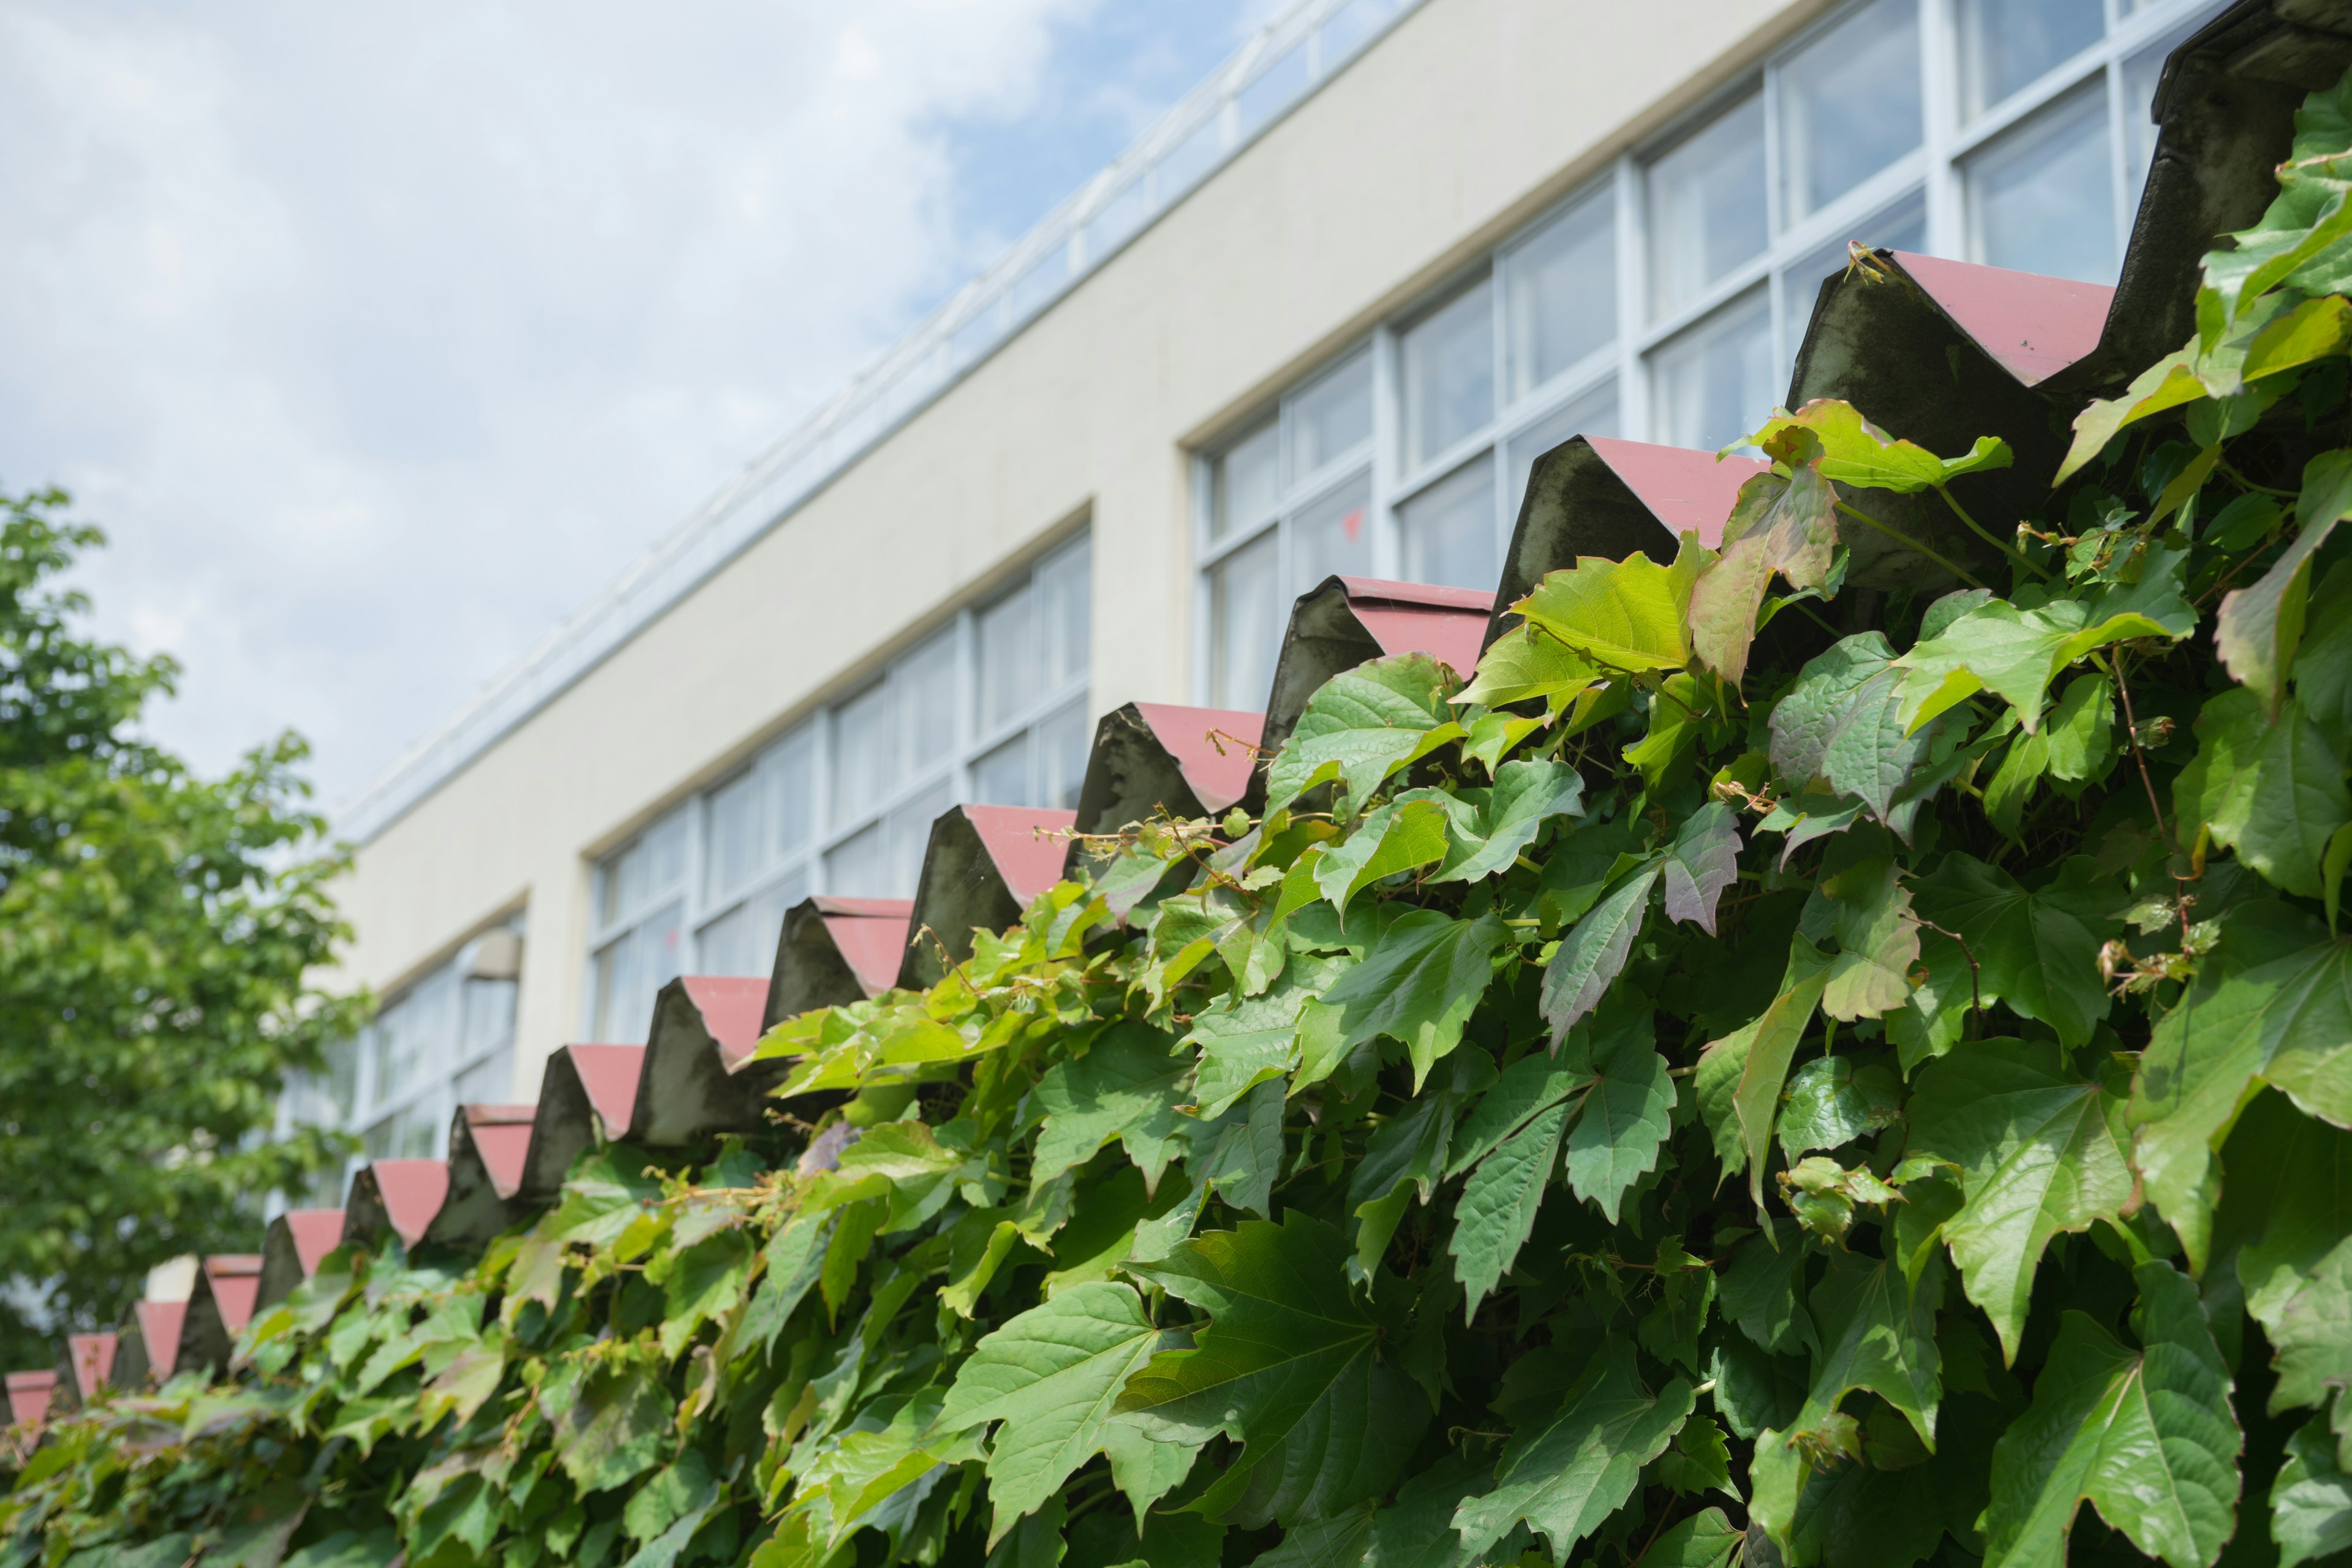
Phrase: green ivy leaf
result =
(1286, 1366)
(1593, 953)
(1497, 1211)
(2287, 1201)
(2313, 1338)
(1528, 664)
(1418, 983)
(1856, 452)
(1127, 1085)
(1566, 1476)
(2259, 626)
(1405, 1157)
(1878, 940)
(1784, 522)
(2037, 952)
(1625, 1112)
(2147, 1437)
(1526, 794)
(1832, 1100)
(1739, 1077)
(1878, 1334)
(617, 1431)
(2273, 792)
(2311, 1500)
(2041, 1151)
(2275, 1003)
(1701, 861)
(1362, 725)
(1047, 1380)
(1706, 1539)
(1533, 1083)
(1621, 614)
(1244, 1041)
(2016, 652)
(1395, 838)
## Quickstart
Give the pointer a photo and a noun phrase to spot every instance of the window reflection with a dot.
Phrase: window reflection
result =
(1562, 294)
(1449, 530)
(1449, 374)
(2006, 45)
(1850, 104)
(1713, 384)
(1706, 206)
(2040, 198)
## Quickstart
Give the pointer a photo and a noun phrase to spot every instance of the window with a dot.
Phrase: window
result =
(989, 709)
(444, 1040)
(1665, 300)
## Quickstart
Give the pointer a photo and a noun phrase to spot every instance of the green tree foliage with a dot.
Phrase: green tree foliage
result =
(1688, 1096)
(155, 928)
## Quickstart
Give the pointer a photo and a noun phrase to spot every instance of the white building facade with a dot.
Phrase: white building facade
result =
(1322, 319)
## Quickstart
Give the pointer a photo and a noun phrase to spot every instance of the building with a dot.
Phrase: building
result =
(1319, 319)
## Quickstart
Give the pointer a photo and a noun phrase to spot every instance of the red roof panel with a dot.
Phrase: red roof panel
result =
(93, 1362)
(1015, 839)
(870, 935)
(2035, 326)
(413, 1191)
(316, 1233)
(28, 1395)
(730, 1007)
(1688, 491)
(609, 1074)
(236, 1280)
(501, 1135)
(1217, 770)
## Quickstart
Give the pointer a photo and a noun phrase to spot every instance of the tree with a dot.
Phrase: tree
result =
(155, 932)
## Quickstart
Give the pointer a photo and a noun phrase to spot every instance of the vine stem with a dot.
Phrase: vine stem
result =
(1954, 567)
(2114, 667)
(1984, 533)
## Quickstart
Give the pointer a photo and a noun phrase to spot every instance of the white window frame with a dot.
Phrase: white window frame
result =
(808, 862)
(1932, 173)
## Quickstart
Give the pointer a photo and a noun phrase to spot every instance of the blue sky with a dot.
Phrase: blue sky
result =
(381, 337)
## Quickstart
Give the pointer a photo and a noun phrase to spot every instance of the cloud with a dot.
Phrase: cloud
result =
(381, 337)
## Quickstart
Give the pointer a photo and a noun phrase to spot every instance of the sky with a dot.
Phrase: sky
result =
(380, 337)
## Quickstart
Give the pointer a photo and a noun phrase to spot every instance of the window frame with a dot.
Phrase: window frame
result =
(1932, 177)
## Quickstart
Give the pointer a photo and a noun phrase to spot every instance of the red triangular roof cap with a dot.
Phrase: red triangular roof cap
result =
(1218, 770)
(870, 935)
(2034, 326)
(1014, 838)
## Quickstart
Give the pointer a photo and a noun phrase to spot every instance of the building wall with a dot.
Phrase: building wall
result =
(1465, 120)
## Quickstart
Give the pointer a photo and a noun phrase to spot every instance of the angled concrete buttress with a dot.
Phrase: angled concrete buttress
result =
(836, 950)
(585, 1095)
(487, 1145)
(292, 1251)
(227, 1286)
(983, 866)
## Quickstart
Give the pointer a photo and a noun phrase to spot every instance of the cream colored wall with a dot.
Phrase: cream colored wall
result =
(1463, 122)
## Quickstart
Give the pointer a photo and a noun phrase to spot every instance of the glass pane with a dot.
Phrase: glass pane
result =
(1449, 529)
(1063, 590)
(1713, 384)
(858, 867)
(342, 1085)
(1449, 376)
(1561, 293)
(1850, 104)
(743, 940)
(663, 849)
(789, 768)
(1061, 740)
(1332, 417)
(1000, 777)
(616, 979)
(2005, 43)
(413, 1132)
(732, 853)
(488, 1082)
(488, 1016)
(1247, 480)
(1594, 414)
(1331, 537)
(911, 834)
(1008, 661)
(861, 753)
(1245, 612)
(621, 884)
(2040, 200)
(924, 688)
(1706, 206)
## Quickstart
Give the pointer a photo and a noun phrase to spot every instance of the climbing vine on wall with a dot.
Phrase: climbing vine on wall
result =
(1758, 1072)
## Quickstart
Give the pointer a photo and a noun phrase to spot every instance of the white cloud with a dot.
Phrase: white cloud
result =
(380, 337)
